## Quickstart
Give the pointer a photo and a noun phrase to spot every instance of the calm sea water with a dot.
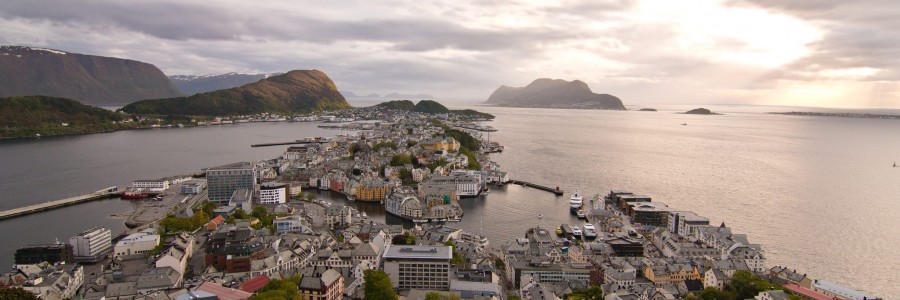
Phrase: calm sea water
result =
(819, 193)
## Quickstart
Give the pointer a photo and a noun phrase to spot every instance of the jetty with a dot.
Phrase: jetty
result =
(284, 143)
(101, 194)
(555, 191)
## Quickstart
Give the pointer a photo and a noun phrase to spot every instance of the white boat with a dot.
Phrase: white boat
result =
(576, 232)
(589, 226)
(581, 214)
(576, 200)
(589, 232)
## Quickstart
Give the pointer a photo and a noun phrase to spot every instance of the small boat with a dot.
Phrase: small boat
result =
(589, 232)
(454, 220)
(576, 232)
(683, 124)
(581, 214)
(558, 230)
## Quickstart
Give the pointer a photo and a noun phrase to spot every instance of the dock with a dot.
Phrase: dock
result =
(555, 191)
(283, 143)
(101, 194)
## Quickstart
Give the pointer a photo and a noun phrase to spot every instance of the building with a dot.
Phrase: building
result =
(372, 189)
(51, 253)
(466, 185)
(177, 254)
(232, 249)
(272, 193)
(241, 199)
(418, 267)
(832, 289)
(152, 185)
(329, 286)
(136, 243)
(649, 213)
(53, 282)
(91, 245)
(684, 223)
(295, 224)
(222, 181)
(192, 188)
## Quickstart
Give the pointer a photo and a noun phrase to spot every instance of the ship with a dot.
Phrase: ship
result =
(590, 232)
(134, 195)
(576, 200)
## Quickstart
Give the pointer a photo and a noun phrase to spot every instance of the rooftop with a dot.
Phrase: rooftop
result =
(419, 252)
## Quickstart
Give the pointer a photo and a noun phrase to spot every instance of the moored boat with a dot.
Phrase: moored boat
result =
(576, 200)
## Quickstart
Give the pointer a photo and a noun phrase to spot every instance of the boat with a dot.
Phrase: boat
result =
(558, 230)
(589, 232)
(566, 229)
(683, 124)
(581, 214)
(576, 200)
(454, 220)
(576, 232)
(134, 195)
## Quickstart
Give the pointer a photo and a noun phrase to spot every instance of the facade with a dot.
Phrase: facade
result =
(136, 243)
(51, 253)
(466, 185)
(191, 188)
(231, 250)
(272, 193)
(418, 267)
(330, 286)
(372, 189)
(224, 180)
(404, 205)
(294, 224)
(153, 185)
(650, 213)
(684, 223)
(92, 244)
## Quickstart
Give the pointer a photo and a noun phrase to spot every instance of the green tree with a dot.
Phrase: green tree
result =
(16, 293)
(279, 290)
(591, 293)
(400, 159)
(239, 214)
(378, 286)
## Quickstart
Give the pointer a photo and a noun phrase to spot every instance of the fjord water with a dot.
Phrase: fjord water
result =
(819, 193)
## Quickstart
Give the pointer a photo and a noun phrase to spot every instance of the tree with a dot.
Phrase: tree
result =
(439, 296)
(279, 290)
(378, 286)
(591, 293)
(239, 214)
(16, 293)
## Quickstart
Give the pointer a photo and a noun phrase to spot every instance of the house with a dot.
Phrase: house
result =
(214, 223)
(715, 278)
(772, 295)
(328, 286)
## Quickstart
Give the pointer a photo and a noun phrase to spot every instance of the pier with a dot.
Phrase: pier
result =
(283, 143)
(101, 194)
(555, 191)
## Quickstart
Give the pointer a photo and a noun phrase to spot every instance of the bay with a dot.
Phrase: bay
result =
(818, 193)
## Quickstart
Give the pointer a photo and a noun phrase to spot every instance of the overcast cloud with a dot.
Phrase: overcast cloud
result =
(788, 52)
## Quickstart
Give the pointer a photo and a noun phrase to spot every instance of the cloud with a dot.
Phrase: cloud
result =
(740, 51)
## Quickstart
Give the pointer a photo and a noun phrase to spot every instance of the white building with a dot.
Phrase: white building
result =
(192, 188)
(294, 224)
(272, 193)
(466, 185)
(136, 243)
(840, 292)
(418, 267)
(92, 244)
(152, 185)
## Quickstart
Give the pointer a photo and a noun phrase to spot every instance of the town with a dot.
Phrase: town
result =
(257, 230)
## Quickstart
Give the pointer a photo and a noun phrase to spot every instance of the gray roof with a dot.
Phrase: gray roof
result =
(418, 252)
(238, 165)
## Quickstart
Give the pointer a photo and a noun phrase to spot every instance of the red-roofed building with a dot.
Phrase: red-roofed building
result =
(214, 223)
(806, 293)
(222, 292)
(254, 284)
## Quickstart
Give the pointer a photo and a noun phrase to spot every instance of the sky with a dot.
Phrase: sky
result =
(824, 53)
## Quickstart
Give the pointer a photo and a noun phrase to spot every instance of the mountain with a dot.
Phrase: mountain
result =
(29, 116)
(195, 84)
(430, 107)
(554, 93)
(96, 80)
(391, 96)
(397, 104)
(294, 91)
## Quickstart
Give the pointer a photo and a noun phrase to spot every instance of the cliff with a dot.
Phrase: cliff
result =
(554, 93)
(95, 80)
(295, 91)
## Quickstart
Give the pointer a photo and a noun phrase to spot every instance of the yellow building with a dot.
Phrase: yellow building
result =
(372, 190)
(673, 273)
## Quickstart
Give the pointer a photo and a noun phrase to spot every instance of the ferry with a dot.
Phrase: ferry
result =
(134, 195)
(576, 200)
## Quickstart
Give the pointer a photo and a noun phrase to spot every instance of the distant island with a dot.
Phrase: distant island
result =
(840, 115)
(701, 111)
(554, 93)
(292, 92)
(647, 109)
(93, 80)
